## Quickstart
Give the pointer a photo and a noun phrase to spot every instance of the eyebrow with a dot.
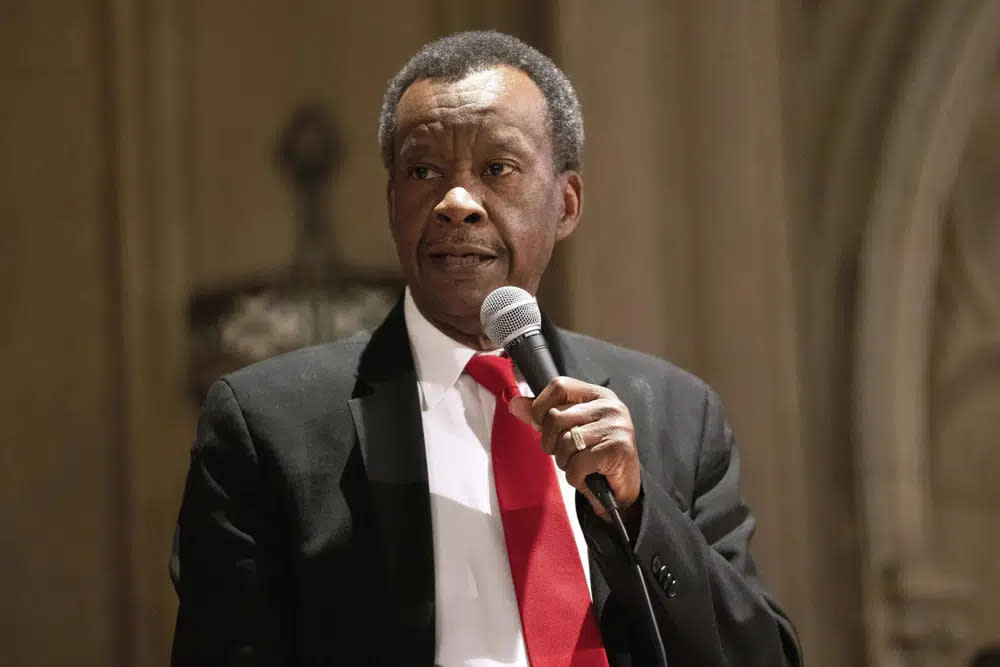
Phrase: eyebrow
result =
(410, 145)
(503, 139)
(506, 138)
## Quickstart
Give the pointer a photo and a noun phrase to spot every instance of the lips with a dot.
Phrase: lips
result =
(461, 260)
(460, 256)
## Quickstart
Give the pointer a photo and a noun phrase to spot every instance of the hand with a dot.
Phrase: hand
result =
(606, 426)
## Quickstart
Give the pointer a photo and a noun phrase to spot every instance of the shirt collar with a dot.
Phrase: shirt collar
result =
(439, 359)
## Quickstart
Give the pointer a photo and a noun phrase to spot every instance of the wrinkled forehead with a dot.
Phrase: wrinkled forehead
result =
(499, 97)
(475, 91)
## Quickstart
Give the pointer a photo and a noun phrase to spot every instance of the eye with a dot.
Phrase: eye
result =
(423, 173)
(499, 169)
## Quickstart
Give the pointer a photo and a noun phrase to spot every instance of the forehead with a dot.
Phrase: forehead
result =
(501, 98)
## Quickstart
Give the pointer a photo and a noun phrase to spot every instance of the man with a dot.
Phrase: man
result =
(353, 503)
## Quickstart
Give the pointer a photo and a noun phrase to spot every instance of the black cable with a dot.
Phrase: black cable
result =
(599, 486)
(651, 626)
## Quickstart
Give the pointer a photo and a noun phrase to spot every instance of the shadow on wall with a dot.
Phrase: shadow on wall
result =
(988, 656)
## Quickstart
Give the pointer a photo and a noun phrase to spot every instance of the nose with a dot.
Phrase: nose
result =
(458, 205)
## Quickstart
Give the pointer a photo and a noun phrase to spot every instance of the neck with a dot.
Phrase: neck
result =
(470, 337)
(467, 329)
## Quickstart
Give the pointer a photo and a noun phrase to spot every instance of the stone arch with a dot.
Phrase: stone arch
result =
(912, 607)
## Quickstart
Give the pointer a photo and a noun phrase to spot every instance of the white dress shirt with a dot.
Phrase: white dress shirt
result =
(476, 614)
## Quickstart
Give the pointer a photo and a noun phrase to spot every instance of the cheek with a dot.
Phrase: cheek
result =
(531, 249)
(411, 211)
(407, 242)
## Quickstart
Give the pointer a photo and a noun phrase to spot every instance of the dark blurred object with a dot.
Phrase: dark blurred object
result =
(313, 300)
(309, 148)
(988, 656)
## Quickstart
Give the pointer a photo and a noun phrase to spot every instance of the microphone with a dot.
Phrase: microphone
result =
(512, 320)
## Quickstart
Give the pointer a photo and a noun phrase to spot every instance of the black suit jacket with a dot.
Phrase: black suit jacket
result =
(304, 536)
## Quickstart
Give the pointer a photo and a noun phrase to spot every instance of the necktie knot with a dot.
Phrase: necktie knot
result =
(495, 373)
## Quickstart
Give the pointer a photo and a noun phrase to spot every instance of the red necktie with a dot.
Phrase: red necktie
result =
(559, 625)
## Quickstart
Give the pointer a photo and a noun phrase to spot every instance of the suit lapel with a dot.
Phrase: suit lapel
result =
(570, 361)
(386, 414)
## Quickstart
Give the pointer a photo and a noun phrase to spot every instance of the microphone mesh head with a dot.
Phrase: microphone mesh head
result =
(509, 312)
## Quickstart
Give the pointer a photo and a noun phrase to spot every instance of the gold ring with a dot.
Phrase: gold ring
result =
(578, 439)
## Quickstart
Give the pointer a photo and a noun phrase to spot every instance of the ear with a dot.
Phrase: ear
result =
(571, 183)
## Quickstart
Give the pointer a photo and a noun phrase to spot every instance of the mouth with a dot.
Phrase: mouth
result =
(461, 257)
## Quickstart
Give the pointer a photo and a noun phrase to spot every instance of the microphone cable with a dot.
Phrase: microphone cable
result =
(598, 485)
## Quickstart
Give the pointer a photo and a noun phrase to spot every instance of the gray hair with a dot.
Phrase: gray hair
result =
(456, 56)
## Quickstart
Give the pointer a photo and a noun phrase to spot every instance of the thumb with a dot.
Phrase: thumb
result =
(520, 407)
(596, 504)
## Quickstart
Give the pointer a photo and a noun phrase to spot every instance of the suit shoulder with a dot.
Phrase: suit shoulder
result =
(621, 361)
(330, 366)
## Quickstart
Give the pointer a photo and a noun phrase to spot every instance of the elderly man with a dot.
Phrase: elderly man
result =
(392, 499)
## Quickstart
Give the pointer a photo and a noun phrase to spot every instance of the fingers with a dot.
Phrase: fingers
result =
(520, 407)
(556, 421)
(613, 460)
(565, 446)
(603, 423)
(563, 391)
(583, 463)
(595, 503)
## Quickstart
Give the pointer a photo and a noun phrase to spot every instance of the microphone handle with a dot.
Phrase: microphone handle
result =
(531, 355)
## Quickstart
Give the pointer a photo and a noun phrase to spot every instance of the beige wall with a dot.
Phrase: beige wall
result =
(60, 449)
(687, 205)
(739, 157)
(250, 64)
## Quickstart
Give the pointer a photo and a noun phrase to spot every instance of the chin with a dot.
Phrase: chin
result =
(464, 303)
(450, 303)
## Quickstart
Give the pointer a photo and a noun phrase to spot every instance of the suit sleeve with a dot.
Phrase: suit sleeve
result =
(227, 581)
(709, 604)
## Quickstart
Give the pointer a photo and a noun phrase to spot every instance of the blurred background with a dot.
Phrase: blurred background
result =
(798, 201)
